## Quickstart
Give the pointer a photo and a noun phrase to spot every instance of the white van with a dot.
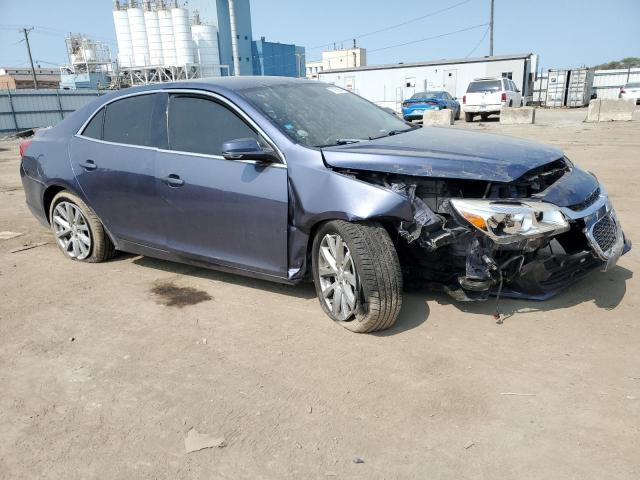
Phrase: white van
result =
(486, 96)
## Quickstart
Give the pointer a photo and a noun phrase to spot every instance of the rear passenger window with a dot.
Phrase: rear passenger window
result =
(199, 125)
(130, 120)
(94, 128)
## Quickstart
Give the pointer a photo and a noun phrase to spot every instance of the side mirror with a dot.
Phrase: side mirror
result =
(247, 149)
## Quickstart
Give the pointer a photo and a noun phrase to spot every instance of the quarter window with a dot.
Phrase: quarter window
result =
(199, 125)
(94, 128)
(131, 120)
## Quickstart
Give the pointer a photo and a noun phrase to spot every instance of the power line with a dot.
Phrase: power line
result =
(401, 24)
(484, 35)
(428, 38)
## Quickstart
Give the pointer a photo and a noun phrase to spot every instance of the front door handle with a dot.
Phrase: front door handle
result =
(173, 180)
(89, 165)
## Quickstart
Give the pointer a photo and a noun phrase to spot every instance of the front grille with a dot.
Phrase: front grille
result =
(604, 233)
(587, 202)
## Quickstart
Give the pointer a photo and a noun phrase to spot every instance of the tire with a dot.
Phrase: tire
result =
(484, 117)
(457, 116)
(511, 103)
(468, 117)
(378, 279)
(99, 248)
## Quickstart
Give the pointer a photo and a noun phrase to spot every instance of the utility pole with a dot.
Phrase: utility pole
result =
(33, 70)
(491, 31)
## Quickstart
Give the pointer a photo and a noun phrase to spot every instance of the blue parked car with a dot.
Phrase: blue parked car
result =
(414, 107)
(288, 180)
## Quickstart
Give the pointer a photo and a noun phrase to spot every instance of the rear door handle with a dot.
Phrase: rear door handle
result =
(89, 165)
(173, 180)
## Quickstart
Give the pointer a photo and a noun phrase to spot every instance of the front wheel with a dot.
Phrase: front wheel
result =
(357, 275)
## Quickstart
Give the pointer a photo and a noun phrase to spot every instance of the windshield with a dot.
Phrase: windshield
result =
(485, 86)
(428, 95)
(319, 114)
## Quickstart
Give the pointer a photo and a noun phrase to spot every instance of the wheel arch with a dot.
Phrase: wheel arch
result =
(51, 190)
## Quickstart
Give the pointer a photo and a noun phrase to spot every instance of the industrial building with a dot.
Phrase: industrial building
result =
(279, 59)
(389, 85)
(90, 65)
(20, 78)
(337, 59)
(162, 41)
(234, 24)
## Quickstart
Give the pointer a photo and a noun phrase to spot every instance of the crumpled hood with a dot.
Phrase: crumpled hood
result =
(444, 153)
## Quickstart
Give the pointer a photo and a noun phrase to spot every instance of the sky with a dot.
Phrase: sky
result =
(565, 33)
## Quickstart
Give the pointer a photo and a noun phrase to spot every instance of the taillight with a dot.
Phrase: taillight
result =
(503, 98)
(23, 146)
(464, 99)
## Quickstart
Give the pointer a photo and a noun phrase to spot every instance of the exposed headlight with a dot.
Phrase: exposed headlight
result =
(507, 222)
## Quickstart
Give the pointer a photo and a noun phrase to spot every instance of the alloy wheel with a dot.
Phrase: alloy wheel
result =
(72, 230)
(338, 277)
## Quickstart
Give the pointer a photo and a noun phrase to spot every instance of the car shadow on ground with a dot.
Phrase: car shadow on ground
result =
(303, 290)
(605, 290)
(415, 311)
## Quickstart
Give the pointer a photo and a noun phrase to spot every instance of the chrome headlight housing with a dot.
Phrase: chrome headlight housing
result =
(511, 221)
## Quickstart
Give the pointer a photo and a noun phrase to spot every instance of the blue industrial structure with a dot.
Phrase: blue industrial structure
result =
(243, 35)
(280, 59)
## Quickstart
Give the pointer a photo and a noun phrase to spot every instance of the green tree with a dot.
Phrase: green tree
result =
(629, 62)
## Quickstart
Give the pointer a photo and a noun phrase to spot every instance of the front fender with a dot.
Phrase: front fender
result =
(318, 194)
(329, 195)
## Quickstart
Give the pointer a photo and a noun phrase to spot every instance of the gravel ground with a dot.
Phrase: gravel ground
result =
(105, 368)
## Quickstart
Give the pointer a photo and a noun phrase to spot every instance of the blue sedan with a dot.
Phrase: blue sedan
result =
(291, 180)
(414, 107)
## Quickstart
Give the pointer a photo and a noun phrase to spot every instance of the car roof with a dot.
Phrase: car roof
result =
(483, 79)
(227, 83)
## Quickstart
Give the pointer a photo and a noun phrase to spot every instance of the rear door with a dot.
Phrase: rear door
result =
(113, 160)
(228, 212)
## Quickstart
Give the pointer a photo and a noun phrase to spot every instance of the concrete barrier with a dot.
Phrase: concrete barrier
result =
(517, 115)
(438, 117)
(604, 110)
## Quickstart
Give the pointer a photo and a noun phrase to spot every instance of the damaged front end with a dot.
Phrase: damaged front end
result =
(474, 238)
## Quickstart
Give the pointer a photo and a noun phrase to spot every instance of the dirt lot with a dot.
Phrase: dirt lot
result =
(105, 368)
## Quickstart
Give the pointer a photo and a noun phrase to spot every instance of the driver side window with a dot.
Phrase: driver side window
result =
(201, 125)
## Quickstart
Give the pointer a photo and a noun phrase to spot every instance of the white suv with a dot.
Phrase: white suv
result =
(631, 91)
(486, 96)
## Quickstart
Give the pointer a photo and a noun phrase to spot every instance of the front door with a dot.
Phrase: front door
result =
(229, 212)
(451, 82)
(113, 160)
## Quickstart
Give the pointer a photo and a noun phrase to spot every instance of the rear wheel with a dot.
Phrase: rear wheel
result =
(78, 231)
(468, 117)
(457, 117)
(357, 275)
(484, 117)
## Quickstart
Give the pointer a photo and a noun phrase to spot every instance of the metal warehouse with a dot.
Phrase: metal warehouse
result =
(388, 85)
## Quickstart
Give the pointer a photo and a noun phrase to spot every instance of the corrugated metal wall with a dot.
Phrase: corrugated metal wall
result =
(23, 109)
(607, 83)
